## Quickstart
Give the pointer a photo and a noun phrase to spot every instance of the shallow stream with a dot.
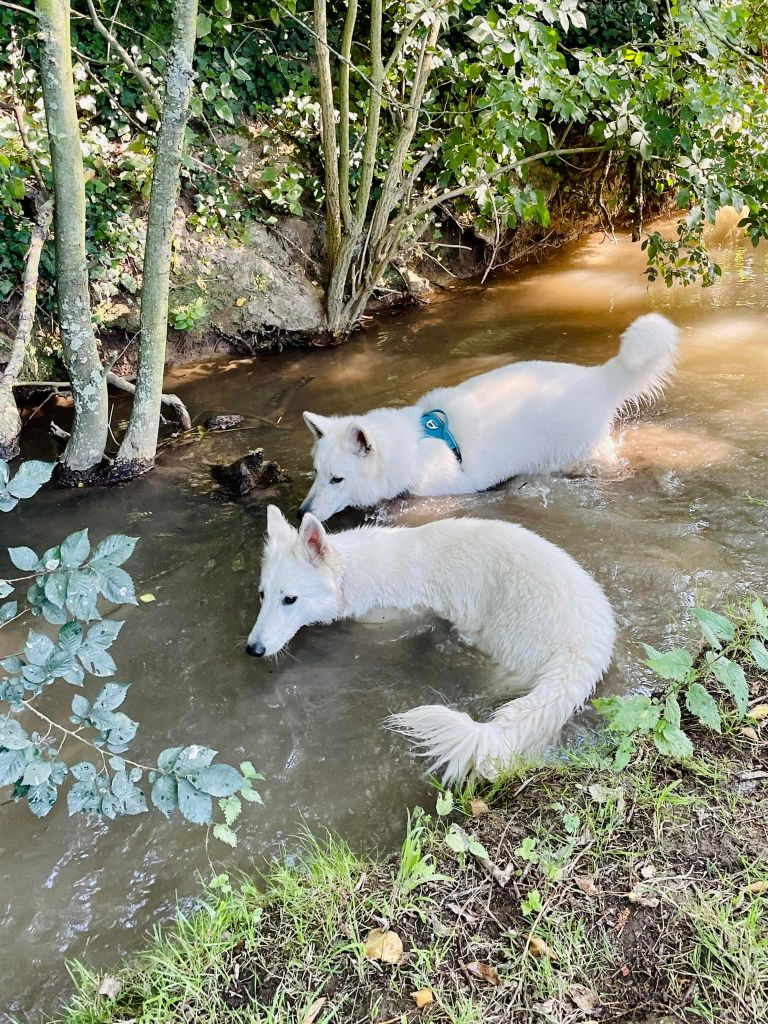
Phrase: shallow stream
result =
(678, 521)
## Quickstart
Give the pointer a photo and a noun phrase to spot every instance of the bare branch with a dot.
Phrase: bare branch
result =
(172, 401)
(346, 50)
(125, 57)
(328, 128)
(18, 112)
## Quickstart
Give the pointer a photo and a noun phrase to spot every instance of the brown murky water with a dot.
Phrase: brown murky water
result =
(673, 524)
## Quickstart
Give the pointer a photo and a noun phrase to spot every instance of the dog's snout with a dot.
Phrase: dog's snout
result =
(255, 650)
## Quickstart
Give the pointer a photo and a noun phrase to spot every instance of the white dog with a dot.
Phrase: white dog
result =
(520, 599)
(533, 417)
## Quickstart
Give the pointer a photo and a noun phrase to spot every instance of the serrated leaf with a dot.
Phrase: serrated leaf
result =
(759, 654)
(444, 804)
(71, 637)
(96, 660)
(636, 713)
(23, 558)
(42, 798)
(231, 808)
(8, 611)
(225, 834)
(56, 589)
(674, 665)
(12, 735)
(113, 551)
(38, 648)
(702, 704)
(672, 741)
(36, 773)
(82, 594)
(714, 626)
(219, 780)
(111, 696)
(5, 589)
(103, 634)
(164, 795)
(733, 679)
(12, 766)
(195, 806)
(30, 477)
(75, 549)
(117, 586)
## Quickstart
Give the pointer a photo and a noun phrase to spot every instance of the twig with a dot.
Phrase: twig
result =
(58, 433)
(172, 401)
(126, 58)
(18, 111)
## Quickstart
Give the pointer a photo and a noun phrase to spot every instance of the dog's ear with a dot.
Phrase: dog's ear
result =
(318, 425)
(313, 539)
(358, 439)
(278, 527)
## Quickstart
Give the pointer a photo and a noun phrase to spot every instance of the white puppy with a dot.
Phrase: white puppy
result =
(533, 417)
(521, 600)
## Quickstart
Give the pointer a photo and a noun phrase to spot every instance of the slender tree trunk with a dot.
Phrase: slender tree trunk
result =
(85, 448)
(10, 421)
(137, 451)
(333, 225)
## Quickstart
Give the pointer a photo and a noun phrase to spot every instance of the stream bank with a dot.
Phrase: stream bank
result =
(565, 892)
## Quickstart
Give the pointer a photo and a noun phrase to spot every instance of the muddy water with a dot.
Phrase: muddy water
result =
(671, 524)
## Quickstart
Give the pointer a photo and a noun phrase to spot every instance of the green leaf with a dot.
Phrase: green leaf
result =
(5, 589)
(224, 111)
(113, 551)
(219, 780)
(637, 713)
(117, 586)
(80, 706)
(96, 660)
(714, 626)
(12, 735)
(8, 611)
(444, 803)
(75, 549)
(733, 679)
(702, 704)
(672, 742)
(23, 558)
(195, 806)
(71, 637)
(36, 773)
(624, 753)
(30, 478)
(12, 766)
(204, 24)
(759, 654)
(674, 665)
(42, 798)
(111, 697)
(38, 648)
(456, 839)
(56, 589)
(672, 710)
(231, 808)
(225, 834)
(82, 594)
(165, 795)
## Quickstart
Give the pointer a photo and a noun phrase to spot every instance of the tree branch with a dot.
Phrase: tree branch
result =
(346, 50)
(125, 57)
(328, 131)
(172, 401)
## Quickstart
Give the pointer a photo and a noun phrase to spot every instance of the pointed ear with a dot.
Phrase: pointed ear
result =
(313, 539)
(358, 439)
(317, 425)
(278, 527)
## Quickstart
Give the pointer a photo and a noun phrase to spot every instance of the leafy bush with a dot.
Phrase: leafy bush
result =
(64, 585)
(713, 687)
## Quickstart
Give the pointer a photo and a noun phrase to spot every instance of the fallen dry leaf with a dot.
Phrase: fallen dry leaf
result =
(385, 946)
(241, 301)
(749, 733)
(539, 947)
(759, 712)
(462, 912)
(311, 1015)
(147, 598)
(586, 1000)
(649, 871)
(761, 886)
(485, 971)
(621, 921)
(110, 987)
(478, 807)
(422, 997)
(626, 970)
(587, 885)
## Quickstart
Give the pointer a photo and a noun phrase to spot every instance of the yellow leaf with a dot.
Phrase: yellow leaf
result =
(147, 598)
(384, 946)
(478, 807)
(759, 712)
(749, 733)
(422, 997)
(485, 971)
(757, 887)
(539, 947)
(241, 301)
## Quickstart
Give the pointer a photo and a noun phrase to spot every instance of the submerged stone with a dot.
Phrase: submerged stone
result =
(250, 472)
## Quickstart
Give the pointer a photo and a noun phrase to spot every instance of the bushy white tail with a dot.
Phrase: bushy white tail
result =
(646, 357)
(456, 744)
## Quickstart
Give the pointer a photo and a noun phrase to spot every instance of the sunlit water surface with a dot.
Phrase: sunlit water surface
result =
(672, 525)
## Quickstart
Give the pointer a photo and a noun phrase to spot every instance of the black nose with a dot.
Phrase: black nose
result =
(255, 650)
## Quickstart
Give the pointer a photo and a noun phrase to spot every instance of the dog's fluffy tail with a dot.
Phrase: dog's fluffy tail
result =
(456, 744)
(646, 357)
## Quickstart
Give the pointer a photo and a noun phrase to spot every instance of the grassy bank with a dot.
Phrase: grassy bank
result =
(567, 891)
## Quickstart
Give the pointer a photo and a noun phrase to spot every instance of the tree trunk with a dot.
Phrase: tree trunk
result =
(10, 421)
(137, 451)
(85, 449)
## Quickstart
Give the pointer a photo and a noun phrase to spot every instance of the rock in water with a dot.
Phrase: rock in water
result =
(249, 472)
(223, 422)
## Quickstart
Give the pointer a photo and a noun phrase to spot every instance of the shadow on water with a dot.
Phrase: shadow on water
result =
(670, 524)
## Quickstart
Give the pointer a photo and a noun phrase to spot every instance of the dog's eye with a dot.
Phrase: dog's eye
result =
(337, 479)
(289, 600)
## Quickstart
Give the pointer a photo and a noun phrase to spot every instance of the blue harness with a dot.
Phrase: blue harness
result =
(435, 424)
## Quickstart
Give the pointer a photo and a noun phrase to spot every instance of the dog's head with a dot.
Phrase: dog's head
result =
(299, 583)
(348, 466)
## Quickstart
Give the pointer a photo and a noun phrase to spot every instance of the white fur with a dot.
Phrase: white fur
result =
(521, 600)
(533, 417)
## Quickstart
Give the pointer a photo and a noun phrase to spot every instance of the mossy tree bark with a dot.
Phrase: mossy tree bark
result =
(88, 437)
(137, 451)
